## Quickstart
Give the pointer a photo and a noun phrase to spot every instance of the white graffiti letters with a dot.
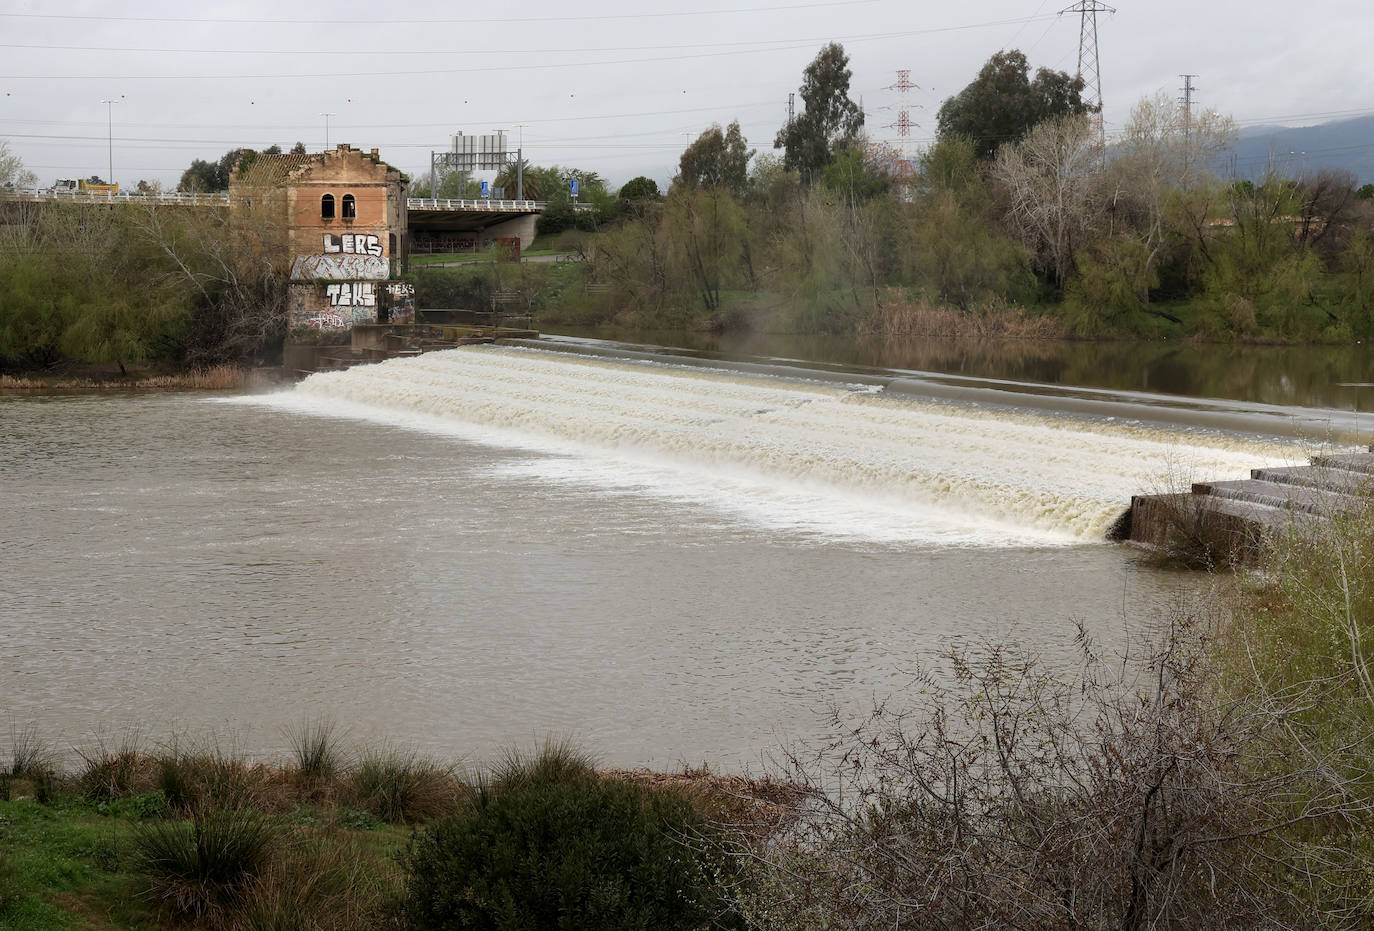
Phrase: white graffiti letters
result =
(352, 244)
(352, 294)
(325, 322)
(401, 289)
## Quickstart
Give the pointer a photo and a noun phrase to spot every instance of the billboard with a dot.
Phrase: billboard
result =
(478, 153)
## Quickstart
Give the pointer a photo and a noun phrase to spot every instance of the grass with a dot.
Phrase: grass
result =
(201, 868)
(144, 835)
(401, 787)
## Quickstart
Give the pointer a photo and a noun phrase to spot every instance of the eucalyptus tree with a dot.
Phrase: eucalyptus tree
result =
(829, 120)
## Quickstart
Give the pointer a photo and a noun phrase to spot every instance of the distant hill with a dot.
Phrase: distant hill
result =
(1296, 150)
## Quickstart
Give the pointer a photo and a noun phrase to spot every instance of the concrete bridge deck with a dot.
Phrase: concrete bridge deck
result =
(90, 197)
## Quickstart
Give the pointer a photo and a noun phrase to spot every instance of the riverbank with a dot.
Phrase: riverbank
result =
(142, 836)
(108, 378)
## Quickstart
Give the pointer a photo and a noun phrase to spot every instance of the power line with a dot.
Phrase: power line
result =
(465, 21)
(783, 45)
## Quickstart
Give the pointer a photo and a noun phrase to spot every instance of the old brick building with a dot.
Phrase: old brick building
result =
(345, 217)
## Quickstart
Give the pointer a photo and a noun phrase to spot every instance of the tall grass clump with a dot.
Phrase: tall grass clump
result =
(112, 770)
(32, 761)
(320, 882)
(548, 843)
(201, 867)
(400, 786)
(315, 750)
(207, 777)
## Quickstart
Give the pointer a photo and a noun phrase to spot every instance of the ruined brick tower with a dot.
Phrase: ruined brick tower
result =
(345, 217)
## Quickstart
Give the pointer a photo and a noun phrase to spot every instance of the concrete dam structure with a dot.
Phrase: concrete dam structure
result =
(1228, 522)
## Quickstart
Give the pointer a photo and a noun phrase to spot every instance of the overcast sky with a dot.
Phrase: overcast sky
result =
(614, 86)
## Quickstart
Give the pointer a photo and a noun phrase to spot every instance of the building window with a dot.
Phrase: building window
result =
(350, 207)
(327, 207)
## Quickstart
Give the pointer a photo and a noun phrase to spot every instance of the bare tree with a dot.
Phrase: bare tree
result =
(1054, 198)
(234, 262)
(1160, 182)
(13, 174)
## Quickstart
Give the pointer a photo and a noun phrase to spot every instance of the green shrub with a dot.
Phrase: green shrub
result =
(549, 844)
(198, 868)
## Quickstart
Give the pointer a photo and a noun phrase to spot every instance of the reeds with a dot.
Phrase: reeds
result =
(923, 320)
(223, 377)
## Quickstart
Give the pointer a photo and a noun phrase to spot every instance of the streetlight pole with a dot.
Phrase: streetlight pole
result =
(109, 130)
(326, 129)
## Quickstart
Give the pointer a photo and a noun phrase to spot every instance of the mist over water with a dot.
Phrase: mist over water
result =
(478, 548)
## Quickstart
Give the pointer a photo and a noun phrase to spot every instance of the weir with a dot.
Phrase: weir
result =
(855, 455)
(1229, 522)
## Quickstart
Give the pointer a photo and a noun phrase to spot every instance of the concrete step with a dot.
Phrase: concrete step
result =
(1351, 462)
(1281, 495)
(1341, 481)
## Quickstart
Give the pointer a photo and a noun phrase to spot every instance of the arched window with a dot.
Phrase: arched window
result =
(327, 207)
(350, 207)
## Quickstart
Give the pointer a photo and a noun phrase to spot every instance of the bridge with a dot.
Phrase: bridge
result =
(88, 197)
(426, 208)
(435, 224)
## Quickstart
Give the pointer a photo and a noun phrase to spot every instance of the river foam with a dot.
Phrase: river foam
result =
(825, 457)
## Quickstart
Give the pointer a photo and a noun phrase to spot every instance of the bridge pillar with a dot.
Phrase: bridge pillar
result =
(522, 226)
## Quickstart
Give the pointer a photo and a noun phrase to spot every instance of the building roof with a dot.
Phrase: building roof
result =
(258, 170)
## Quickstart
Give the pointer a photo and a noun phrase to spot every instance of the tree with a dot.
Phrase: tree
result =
(298, 148)
(1002, 104)
(953, 245)
(640, 188)
(829, 120)
(708, 226)
(1160, 192)
(859, 171)
(454, 184)
(12, 170)
(717, 159)
(207, 177)
(1053, 195)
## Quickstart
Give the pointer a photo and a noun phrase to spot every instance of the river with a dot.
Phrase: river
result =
(668, 561)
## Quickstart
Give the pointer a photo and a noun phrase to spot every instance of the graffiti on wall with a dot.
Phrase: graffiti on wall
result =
(325, 321)
(338, 267)
(352, 294)
(402, 295)
(352, 244)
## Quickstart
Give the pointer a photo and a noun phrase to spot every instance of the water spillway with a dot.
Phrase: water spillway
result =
(833, 456)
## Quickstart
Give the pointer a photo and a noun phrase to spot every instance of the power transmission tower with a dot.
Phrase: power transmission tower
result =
(1187, 101)
(791, 108)
(1089, 65)
(903, 86)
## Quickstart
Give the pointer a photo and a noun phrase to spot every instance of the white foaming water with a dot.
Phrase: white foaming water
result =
(835, 460)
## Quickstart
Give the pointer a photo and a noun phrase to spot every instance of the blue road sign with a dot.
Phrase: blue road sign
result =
(486, 191)
(573, 182)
